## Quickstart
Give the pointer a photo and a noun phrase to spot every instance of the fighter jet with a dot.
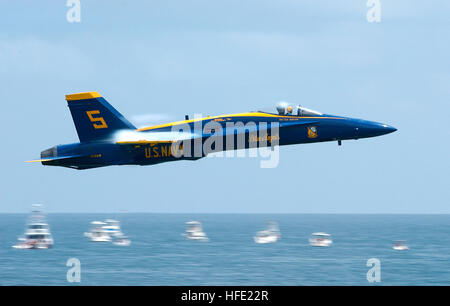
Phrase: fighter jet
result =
(108, 138)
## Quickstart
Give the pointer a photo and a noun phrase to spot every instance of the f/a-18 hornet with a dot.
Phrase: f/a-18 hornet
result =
(108, 138)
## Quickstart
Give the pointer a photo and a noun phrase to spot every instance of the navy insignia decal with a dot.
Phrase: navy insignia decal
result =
(312, 132)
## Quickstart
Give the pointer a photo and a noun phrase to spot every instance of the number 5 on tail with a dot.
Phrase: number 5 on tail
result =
(102, 122)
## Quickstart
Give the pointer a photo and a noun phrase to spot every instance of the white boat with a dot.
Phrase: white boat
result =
(37, 233)
(121, 241)
(23, 244)
(112, 228)
(97, 232)
(320, 239)
(269, 235)
(194, 231)
(400, 245)
(107, 231)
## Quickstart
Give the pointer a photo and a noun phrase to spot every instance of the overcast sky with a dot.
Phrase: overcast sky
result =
(160, 60)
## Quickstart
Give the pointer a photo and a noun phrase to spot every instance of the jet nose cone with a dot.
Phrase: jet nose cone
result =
(388, 129)
(372, 129)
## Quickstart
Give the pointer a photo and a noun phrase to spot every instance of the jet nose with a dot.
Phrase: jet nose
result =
(389, 129)
(372, 129)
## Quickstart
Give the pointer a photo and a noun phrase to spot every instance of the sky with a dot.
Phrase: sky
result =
(159, 60)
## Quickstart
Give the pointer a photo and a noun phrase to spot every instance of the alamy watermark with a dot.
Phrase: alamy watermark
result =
(225, 138)
(74, 12)
(374, 12)
(213, 138)
(74, 273)
(374, 273)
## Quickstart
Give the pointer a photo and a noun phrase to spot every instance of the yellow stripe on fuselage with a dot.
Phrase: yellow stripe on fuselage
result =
(145, 142)
(252, 114)
(83, 96)
(37, 160)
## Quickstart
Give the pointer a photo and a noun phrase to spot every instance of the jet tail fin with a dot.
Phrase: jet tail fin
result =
(94, 118)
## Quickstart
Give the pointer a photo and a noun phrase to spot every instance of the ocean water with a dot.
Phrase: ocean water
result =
(159, 255)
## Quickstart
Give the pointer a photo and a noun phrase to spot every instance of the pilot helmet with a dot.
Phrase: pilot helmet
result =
(281, 107)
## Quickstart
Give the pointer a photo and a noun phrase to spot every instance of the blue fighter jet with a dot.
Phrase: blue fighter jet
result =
(107, 138)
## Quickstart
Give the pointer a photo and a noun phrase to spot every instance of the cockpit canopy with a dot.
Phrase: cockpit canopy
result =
(289, 109)
(286, 109)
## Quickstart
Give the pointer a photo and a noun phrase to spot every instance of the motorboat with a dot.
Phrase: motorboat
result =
(37, 233)
(98, 233)
(112, 228)
(194, 231)
(269, 235)
(121, 240)
(107, 231)
(320, 239)
(23, 244)
(400, 245)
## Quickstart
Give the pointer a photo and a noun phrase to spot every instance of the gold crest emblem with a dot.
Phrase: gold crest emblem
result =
(312, 132)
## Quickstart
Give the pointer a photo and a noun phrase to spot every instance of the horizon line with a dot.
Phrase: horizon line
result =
(241, 213)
